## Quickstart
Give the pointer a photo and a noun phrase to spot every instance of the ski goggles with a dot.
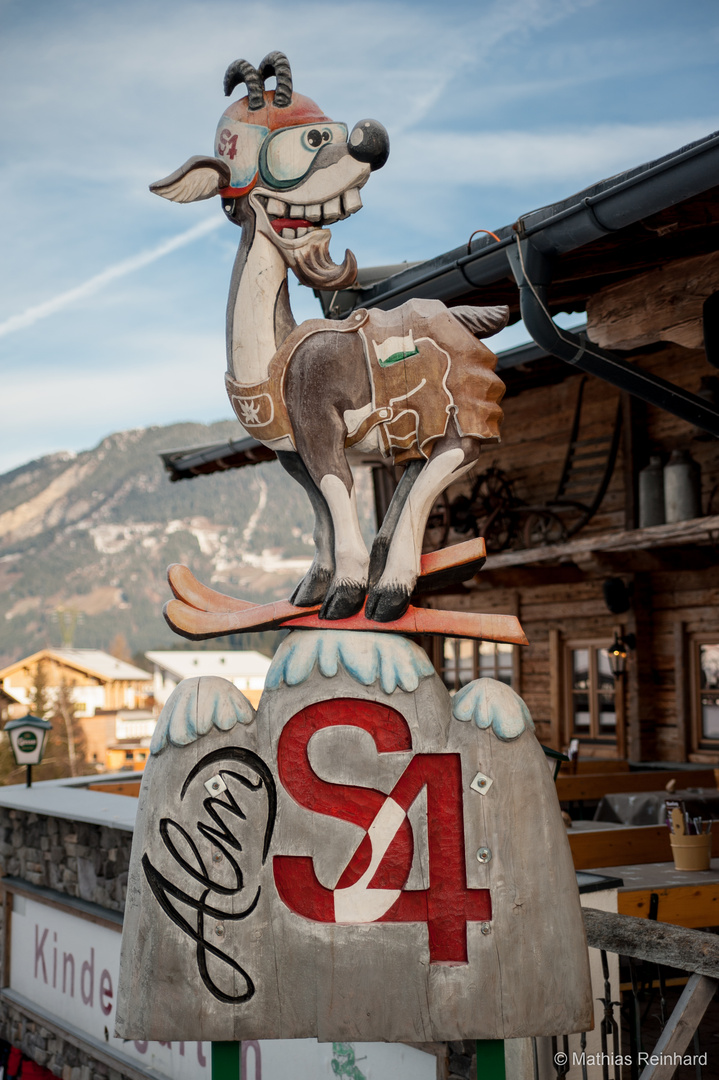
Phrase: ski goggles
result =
(283, 158)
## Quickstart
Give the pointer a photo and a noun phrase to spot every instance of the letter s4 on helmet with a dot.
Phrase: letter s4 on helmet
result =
(280, 142)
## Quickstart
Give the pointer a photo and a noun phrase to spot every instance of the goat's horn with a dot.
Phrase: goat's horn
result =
(241, 71)
(277, 64)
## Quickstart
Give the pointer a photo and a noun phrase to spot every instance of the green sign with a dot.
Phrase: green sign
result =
(27, 742)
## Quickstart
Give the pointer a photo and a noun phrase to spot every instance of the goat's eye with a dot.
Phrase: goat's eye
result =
(289, 153)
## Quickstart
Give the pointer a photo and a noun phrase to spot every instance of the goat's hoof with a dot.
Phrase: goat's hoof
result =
(343, 600)
(388, 604)
(378, 559)
(313, 587)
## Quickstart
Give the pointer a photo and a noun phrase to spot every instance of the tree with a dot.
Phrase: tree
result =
(40, 696)
(119, 648)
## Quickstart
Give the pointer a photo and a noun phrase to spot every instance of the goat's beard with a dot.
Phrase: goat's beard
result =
(313, 264)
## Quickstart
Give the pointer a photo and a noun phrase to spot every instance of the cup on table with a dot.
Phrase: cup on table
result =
(691, 852)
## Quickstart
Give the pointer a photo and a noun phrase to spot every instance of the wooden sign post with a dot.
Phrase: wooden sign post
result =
(365, 858)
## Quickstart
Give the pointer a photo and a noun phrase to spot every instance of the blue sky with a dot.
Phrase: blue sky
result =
(112, 300)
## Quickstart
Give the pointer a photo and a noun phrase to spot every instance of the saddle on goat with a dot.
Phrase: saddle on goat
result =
(409, 352)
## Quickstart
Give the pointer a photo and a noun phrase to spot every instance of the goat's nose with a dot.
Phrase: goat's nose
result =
(369, 142)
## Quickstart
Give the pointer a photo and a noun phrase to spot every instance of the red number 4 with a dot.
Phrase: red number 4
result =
(371, 888)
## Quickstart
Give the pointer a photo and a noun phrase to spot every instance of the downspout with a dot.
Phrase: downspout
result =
(533, 274)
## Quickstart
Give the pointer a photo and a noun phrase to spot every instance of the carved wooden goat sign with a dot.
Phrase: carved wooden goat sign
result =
(414, 383)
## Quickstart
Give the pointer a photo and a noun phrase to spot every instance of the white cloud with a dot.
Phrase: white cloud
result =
(105, 277)
(519, 158)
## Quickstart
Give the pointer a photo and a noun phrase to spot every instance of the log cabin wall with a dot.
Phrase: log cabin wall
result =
(675, 587)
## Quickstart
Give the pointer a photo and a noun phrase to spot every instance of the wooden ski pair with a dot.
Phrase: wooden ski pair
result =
(198, 612)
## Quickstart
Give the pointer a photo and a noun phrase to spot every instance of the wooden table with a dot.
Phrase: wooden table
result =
(686, 898)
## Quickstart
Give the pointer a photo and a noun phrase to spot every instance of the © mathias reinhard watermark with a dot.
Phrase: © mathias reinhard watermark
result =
(561, 1059)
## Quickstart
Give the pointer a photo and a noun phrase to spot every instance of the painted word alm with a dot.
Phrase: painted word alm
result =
(365, 858)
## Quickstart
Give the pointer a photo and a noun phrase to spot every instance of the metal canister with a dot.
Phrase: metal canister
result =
(682, 487)
(651, 494)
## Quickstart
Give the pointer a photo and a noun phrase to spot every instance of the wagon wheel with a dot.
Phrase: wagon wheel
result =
(542, 528)
(437, 528)
(491, 505)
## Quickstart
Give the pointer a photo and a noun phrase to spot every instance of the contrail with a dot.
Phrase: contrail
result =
(99, 281)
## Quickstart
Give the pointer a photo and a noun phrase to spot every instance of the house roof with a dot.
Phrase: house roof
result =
(230, 664)
(644, 217)
(660, 211)
(94, 662)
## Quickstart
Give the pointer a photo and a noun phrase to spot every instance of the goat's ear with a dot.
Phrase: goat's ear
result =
(199, 178)
(482, 321)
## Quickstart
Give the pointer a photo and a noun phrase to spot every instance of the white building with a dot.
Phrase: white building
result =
(247, 670)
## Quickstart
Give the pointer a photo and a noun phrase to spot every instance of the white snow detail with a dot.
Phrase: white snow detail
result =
(367, 657)
(493, 704)
(197, 705)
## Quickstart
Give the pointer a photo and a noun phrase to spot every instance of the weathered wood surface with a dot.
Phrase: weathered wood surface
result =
(661, 305)
(658, 942)
(590, 786)
(358, 980)
(680, 1028)
(698, 531)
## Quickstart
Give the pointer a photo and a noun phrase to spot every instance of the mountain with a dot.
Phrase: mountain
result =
(85, 539)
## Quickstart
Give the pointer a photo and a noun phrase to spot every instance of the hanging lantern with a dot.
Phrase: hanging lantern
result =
(618, 656)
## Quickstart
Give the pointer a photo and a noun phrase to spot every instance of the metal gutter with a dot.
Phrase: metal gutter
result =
(532, 272)
(594, 212)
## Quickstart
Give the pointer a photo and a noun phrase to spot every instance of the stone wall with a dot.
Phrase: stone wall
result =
(49, 1050)
(79, 859)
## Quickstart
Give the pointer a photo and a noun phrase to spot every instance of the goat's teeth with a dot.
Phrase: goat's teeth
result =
(288, 234)
(314, 212)
(302, 231)
(351, 201)
(297, 211)
(276, 208)
(332, 210)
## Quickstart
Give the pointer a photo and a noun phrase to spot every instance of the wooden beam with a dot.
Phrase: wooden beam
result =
(664, 304)
(690, 906)
(680, 1028)
(619, 847)
(657, 942)
(682, 690)
(555, 688)
(575, 788)
(698, 531)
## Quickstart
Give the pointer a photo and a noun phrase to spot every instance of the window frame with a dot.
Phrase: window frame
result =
(440, 667)
(592, 735)
(700, 742)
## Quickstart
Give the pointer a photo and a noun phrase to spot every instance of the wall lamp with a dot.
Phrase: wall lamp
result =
(618, 651)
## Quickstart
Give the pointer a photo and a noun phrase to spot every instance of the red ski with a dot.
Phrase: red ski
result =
(198, 612)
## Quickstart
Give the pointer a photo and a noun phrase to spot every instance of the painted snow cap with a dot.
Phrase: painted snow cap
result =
(367, 657)
(197, 705)
(493, 704)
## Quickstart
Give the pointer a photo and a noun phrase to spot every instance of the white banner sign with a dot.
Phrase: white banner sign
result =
(68, 967)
